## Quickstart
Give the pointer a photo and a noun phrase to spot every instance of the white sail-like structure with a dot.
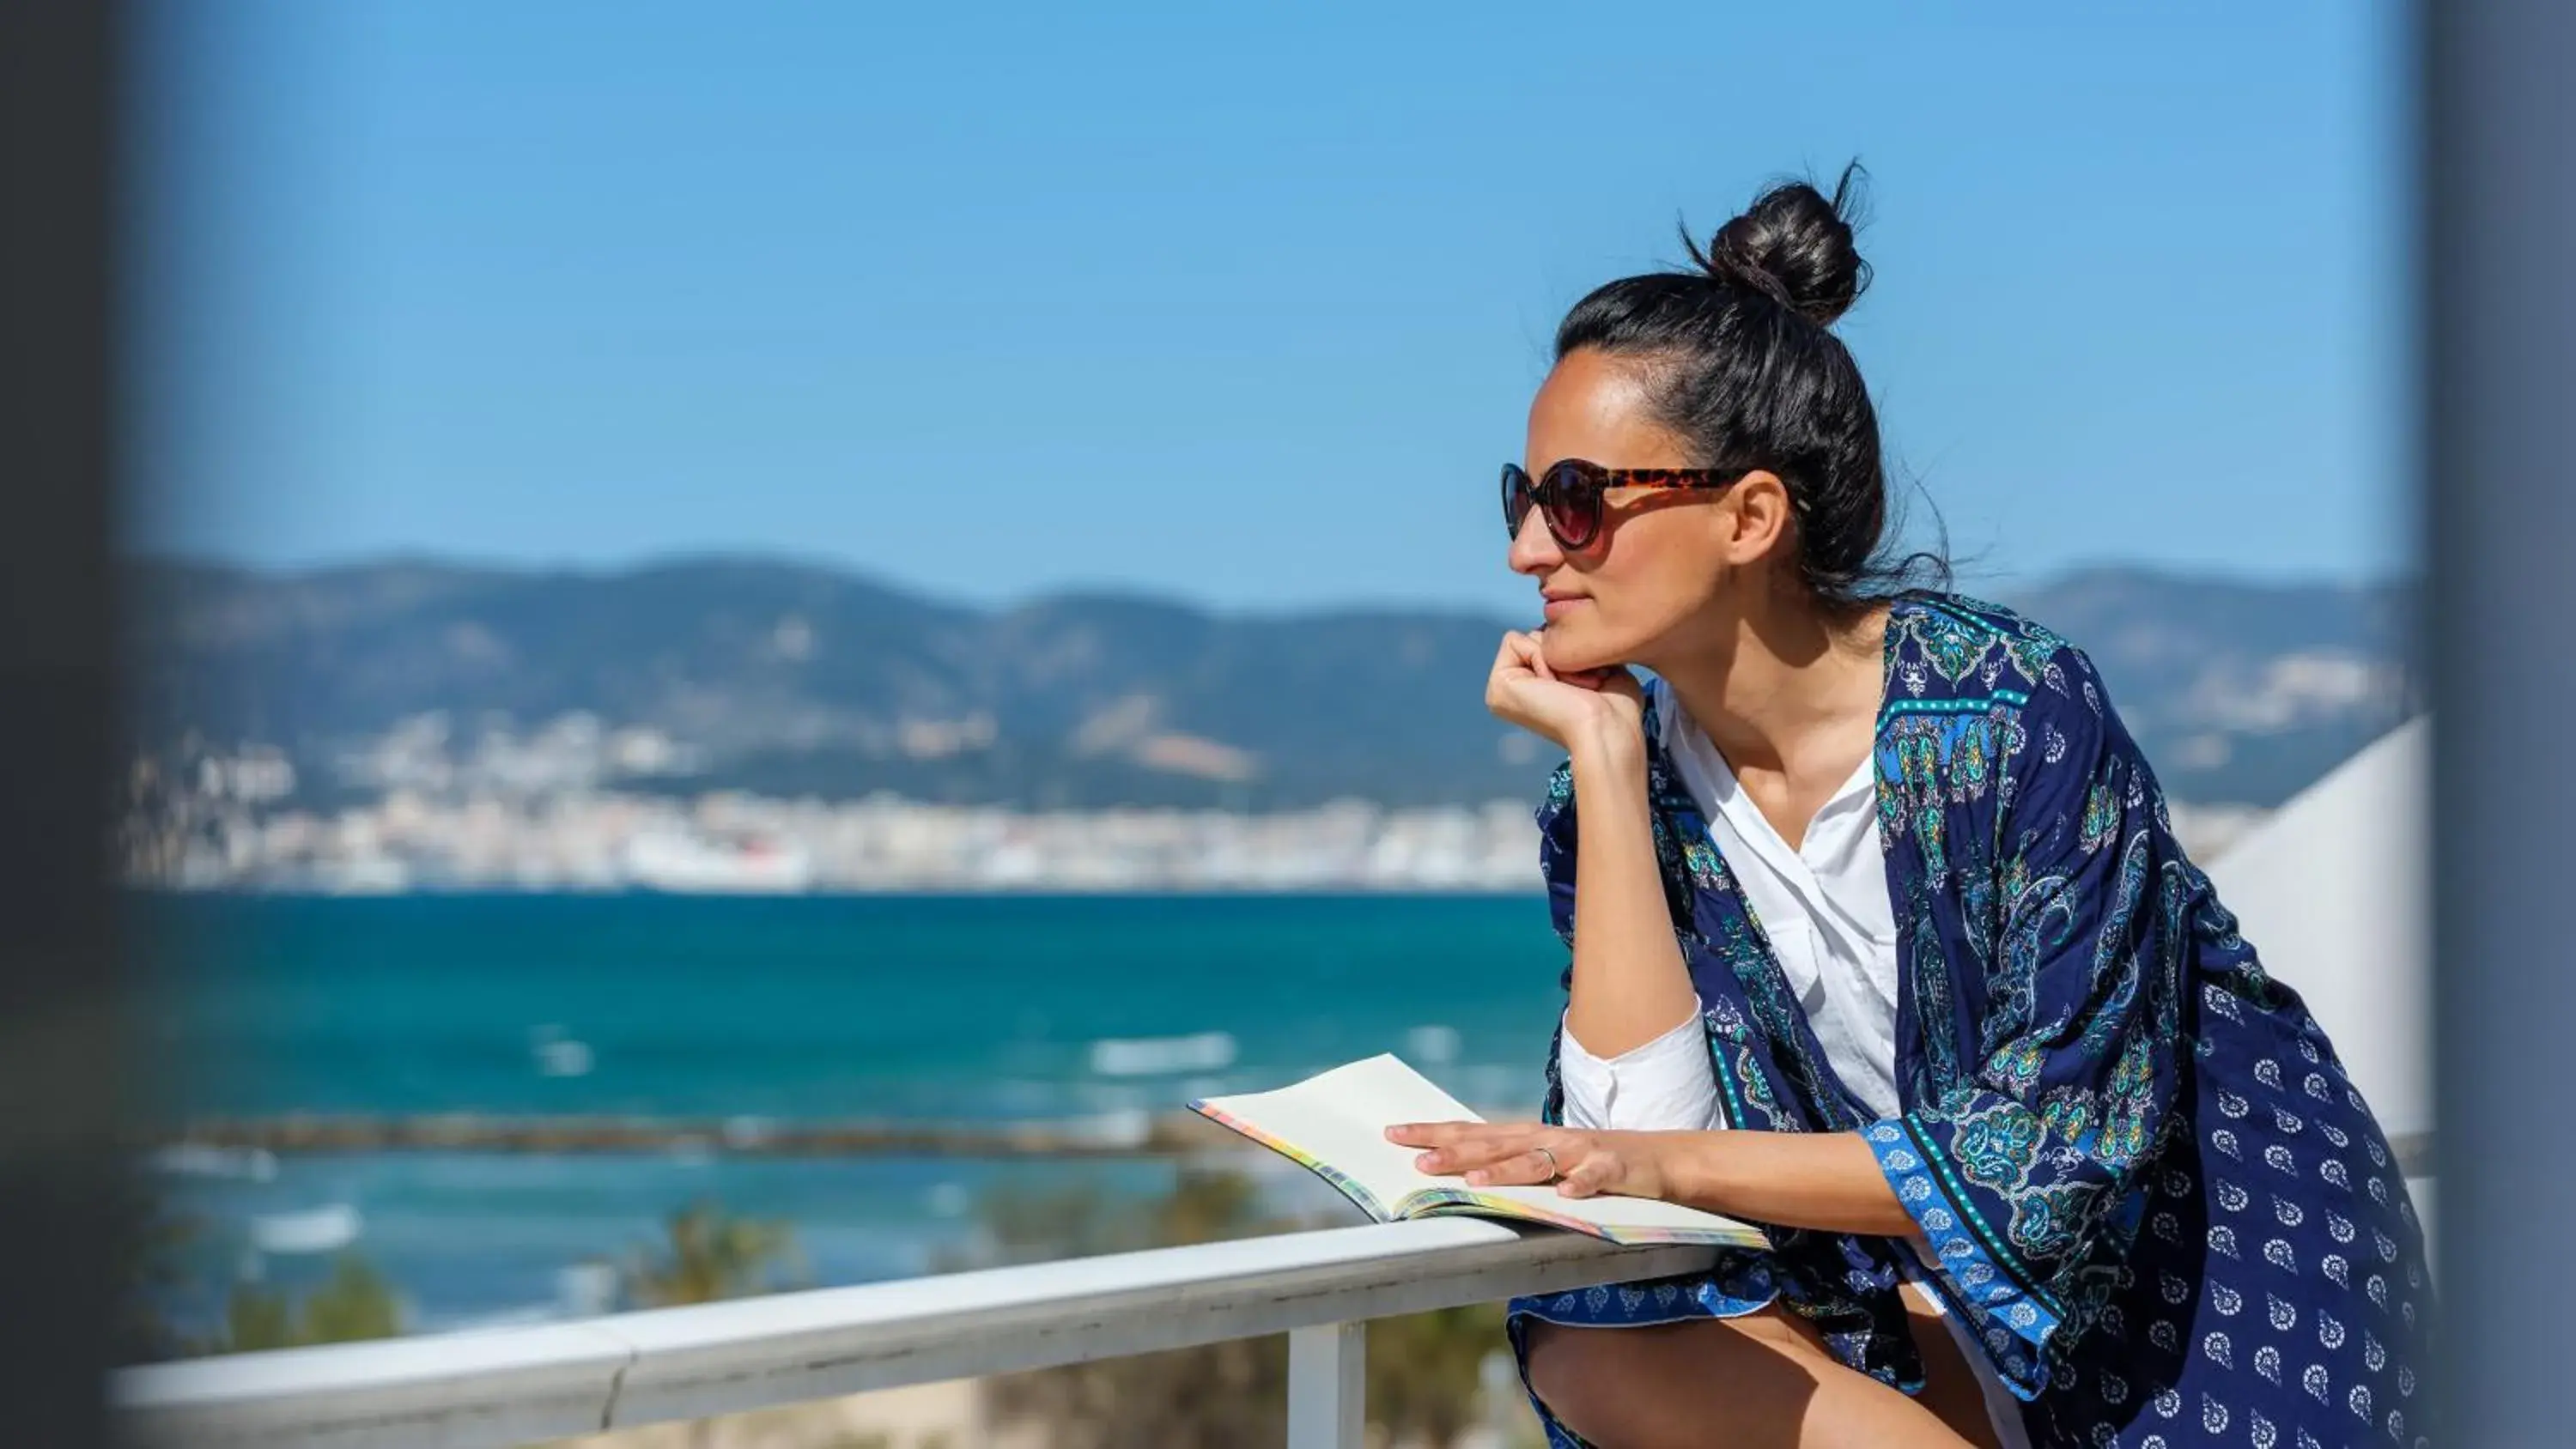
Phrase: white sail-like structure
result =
(2335, 893)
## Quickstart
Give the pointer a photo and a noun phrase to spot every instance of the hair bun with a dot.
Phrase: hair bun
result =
(1795, 246)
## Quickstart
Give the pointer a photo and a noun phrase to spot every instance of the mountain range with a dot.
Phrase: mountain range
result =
(786, 678)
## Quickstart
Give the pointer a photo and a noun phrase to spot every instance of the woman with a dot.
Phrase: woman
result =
(1881, 937)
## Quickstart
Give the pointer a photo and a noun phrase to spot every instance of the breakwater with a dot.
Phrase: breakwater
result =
(1114, 1135)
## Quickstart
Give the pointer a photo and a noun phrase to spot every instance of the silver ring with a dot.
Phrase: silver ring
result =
(1554, 1171)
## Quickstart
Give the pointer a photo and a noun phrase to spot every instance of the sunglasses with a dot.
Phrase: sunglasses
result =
(1568, 494)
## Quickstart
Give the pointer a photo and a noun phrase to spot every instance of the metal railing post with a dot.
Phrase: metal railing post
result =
(1327, 1386)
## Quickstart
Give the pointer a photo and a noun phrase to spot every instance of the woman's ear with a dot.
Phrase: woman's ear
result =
(1759, 518)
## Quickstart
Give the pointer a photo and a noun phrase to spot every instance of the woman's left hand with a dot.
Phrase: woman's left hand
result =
(1504, 1154)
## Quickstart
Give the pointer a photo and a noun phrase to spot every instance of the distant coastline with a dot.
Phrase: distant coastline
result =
(748, 726)
(734, 845)
(726, 844)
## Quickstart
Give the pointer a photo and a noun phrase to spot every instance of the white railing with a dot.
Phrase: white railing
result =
(508, 1386)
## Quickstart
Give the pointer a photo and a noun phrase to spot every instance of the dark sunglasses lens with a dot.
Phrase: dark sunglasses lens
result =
(1516, 499)
(1573, 505)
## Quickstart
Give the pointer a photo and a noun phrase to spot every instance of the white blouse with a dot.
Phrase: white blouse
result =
(1825, 909)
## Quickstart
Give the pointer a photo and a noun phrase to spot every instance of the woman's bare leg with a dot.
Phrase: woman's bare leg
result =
(1950, 1388)
(1761, 1381)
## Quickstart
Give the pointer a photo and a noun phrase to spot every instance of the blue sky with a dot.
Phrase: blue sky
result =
(1240, 305)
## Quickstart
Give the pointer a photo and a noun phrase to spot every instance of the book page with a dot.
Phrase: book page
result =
(1620, 1219)
(1336, 1121)
(1335, 1124)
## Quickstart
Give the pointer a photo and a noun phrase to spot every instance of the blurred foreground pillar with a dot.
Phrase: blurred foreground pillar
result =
(59, 1082)
(2499, 383)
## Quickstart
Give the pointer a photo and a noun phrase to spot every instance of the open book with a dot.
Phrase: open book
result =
(1334, 1125)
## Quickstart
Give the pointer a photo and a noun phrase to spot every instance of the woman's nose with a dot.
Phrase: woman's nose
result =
(1534, 549)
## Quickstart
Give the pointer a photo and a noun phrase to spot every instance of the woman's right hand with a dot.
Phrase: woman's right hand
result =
(1568, 710)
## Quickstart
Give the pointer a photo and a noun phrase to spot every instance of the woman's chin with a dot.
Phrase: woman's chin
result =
(1568, 651)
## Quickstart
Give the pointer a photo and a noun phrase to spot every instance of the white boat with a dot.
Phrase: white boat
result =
(324, 1229)
(691, 864)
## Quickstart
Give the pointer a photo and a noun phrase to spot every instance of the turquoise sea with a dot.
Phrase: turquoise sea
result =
(943, 1009)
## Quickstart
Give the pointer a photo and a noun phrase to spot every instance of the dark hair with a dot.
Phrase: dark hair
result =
(1745, 369)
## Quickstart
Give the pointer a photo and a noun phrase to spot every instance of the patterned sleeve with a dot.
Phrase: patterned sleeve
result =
(2014, 1176)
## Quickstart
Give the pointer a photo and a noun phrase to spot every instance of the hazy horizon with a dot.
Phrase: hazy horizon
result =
(1968, 581)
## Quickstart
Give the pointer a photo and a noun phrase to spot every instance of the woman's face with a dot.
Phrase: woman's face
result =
(1661, 567)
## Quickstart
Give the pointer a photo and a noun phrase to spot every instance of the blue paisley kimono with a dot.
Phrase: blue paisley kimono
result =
(2147, 1183)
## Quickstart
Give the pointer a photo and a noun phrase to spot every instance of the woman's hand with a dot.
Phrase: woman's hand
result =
(1504, 1154)
(1568, 710)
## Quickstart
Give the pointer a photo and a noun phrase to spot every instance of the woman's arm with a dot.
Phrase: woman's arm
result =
(1629, 983)
(1827, 1181)
(1830, 1181)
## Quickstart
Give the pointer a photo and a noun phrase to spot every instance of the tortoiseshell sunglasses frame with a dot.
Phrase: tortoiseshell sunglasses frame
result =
(1568, 494)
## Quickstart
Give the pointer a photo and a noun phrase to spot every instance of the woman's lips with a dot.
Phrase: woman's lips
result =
(1559, 608)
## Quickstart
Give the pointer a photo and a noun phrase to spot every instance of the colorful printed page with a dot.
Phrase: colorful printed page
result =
(1334, 1124)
